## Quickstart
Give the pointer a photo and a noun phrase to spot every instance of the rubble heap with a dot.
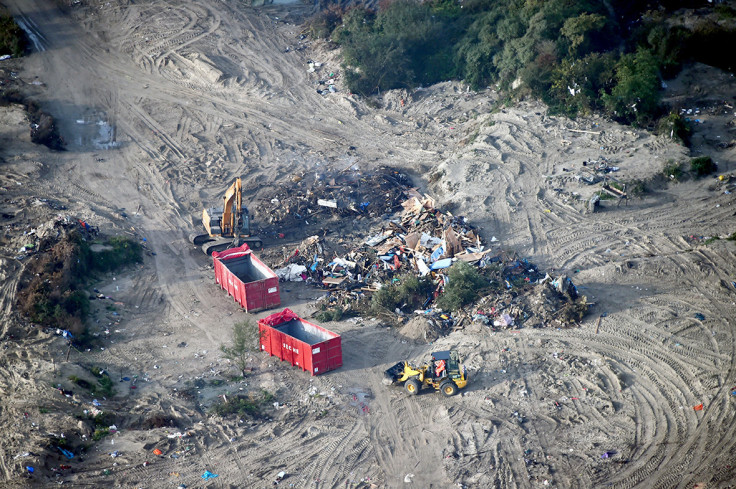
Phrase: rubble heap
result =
(423, 242)
(316, 197)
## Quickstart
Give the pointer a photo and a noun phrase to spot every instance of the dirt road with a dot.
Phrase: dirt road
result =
(163, 103)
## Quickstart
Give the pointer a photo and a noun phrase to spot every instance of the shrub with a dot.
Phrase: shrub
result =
(12, 38)
(674, 126)
(332, 314)
(104, 419)
(672, 170)
(408, 291)
(243, 405)
(119, 251)
(245, 340)
(105, 387)
(100, 433)
(464, 287)
(635, 95)
(322, 24)
(54, 295)
(703, 165)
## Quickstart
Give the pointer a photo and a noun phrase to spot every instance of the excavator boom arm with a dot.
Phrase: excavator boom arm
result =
(232, 204)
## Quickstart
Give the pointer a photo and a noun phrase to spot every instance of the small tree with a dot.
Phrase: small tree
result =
(245, 341)
(465, 285)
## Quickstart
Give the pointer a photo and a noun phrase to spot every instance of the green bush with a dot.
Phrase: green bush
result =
(105, 386)
(406, 292)
(12, 38)
(703, 165)
(330, 314)
(124, 251)
(246, 336)
(55, 295)
(242, 405)
(322, 24)
(100, 433)
(672, 170)
(635, 95)
(465, 285)
(674, 126)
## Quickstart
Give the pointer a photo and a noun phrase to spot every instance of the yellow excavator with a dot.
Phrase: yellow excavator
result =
(444, 372)
(227, 226)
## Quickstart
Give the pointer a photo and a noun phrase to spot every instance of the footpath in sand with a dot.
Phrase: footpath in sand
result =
(162, 104)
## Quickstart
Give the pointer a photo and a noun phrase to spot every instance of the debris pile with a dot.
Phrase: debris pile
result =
(421, 243)
(317, 197)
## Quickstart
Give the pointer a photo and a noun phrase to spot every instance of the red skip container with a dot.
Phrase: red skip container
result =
(247, 279)
(312, 348)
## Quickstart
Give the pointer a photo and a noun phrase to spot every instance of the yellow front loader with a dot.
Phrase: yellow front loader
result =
(444, 372)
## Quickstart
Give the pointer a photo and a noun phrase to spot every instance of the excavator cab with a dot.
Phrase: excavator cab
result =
(228, 225)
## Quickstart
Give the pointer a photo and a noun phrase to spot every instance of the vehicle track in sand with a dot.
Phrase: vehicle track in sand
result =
(203, 92)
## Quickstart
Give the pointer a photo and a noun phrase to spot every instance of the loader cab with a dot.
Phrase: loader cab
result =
(452, 363)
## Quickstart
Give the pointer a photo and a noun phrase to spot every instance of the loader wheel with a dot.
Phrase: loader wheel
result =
(448, 388)
(412, 386)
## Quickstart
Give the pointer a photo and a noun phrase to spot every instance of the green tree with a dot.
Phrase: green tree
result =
(577, 85)
(579, 30)
(465, 284)
(635, 96)
(245, 341)
(12, 38)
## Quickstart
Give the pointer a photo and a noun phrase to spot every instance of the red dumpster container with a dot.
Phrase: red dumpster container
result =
(246, 278)
(312, 348)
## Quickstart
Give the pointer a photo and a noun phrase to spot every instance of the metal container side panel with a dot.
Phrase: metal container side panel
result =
(273, 293)
(252, 296)
(264, 336)
(288, 345)
(302, 357)
(319, 358)
(334, 353)
(277, 343)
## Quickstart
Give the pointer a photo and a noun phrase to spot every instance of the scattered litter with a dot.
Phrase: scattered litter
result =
(699, 407)
(209, 475)
(66, 453)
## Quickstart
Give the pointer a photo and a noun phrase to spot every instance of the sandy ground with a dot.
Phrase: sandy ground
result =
(163, 103)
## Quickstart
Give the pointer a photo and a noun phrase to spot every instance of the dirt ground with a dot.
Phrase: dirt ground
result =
(163, 103)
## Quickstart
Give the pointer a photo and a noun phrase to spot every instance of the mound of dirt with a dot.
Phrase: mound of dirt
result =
(422, 329)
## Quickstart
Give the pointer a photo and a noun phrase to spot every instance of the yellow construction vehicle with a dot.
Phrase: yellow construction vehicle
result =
(444, 372)
(227, 226)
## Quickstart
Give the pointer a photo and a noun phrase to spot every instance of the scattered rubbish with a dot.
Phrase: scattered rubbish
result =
(699, 407)
(279, 477)
(66, 453)
(699, 316)
(156, 451)
(292, 273)
(408, 478)
(30, 469)
(209, 475)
